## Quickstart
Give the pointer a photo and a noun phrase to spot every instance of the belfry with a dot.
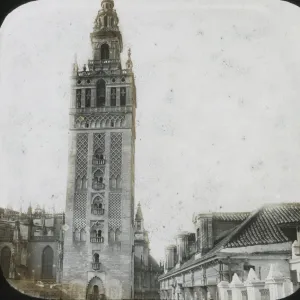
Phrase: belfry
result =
(98, 258)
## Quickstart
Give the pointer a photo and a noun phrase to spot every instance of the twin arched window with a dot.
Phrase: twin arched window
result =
(80, 235)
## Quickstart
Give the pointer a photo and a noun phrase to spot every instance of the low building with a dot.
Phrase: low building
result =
(225, 244)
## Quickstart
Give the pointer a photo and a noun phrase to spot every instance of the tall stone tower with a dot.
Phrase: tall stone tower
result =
(99, 237)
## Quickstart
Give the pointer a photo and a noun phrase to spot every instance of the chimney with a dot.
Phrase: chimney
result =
(204, 233)
(182, 246)
(170, 255)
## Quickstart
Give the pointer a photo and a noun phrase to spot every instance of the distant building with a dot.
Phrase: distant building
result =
(146, 269)
(32, 249)
(31, 244)
(227, 244)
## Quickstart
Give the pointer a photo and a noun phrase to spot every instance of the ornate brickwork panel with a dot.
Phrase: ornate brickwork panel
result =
(80, 210)
(114, 211)
(82, 154)
(99, 121)
(99, 142)
(115, 154)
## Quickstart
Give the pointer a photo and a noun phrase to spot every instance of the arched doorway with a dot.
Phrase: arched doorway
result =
(5, 261)
(47, 263)
(95, 289)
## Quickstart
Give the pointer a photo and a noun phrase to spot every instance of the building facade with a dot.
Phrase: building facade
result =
(98, 245)
(146, 269)
(31, 248)
(226, 246)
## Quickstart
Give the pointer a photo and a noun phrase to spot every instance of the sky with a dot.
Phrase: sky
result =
(218, 92)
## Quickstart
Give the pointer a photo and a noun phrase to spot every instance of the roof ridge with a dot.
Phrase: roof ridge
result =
(240, 227)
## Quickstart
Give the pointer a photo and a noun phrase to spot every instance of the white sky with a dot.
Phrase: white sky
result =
(218, 90)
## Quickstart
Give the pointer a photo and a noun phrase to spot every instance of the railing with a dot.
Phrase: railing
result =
(101, 109)
(96, 266)
(98, 186)
(92, 70)
(97, 239)
(98, 161)
(97, 211)
(103, 61)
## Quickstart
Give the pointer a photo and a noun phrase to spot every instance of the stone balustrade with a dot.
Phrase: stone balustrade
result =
(274, 287)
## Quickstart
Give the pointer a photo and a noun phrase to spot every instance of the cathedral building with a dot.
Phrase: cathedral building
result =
(146, 269)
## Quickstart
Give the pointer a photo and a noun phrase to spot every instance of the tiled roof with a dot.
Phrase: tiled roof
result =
(260, 227)
(263, 227)
(230, 216)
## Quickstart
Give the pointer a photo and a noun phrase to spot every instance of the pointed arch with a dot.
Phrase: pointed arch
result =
(5, 260)
(84, 183)
(104, 51)
(78, 183)
(95, 288)
(82, 235)
(111, 236)
(47, 263)
(105, 21)
(113, 182)
(118, 182)
(96, 258)
(76, 235)
(101, 93)
(118, 235)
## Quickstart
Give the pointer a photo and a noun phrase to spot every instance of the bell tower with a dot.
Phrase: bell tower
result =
(99, 233)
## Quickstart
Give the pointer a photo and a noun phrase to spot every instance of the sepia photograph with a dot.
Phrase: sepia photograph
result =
(150, 149)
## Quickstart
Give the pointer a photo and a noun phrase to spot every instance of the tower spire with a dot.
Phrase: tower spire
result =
(139, 214)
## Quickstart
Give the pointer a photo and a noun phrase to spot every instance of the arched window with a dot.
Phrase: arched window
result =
(98, 176)
(94, 233)
(96, 257)
(84, 183)
(113, 96)
(118, 234)
(78, 183)
(82, 235)
(118, 182)
(5, 261)
(87, 97)
(47, 263)
(99, 234)
(105, 21)
(112, 123)
(123, 96)
(78, 98)
(101, 93)
(76, 235)
(104, 51)
(111, 236)
(113, 183)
